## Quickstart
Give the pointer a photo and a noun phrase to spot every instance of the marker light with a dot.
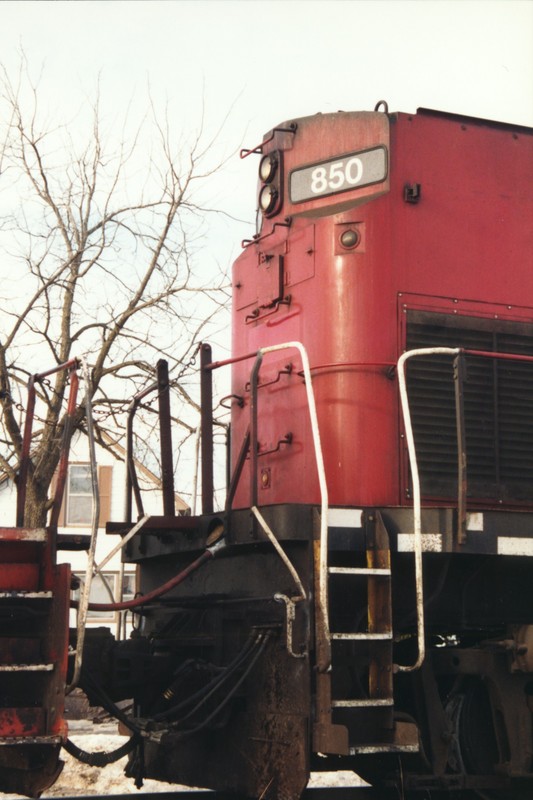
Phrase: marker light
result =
(350, 238)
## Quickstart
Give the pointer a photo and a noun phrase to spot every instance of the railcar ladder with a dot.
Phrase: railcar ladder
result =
(34, 597)
(34, 625)
(377, 702)
(357, 716)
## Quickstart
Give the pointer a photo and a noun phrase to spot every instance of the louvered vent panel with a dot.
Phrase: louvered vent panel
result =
(498, 406)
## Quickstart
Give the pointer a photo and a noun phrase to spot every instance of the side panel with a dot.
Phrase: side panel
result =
(470, 235)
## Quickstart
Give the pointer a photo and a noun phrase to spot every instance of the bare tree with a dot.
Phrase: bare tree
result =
(98, 245)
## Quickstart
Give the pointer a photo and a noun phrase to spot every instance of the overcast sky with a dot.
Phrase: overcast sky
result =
(255, 63)
(288, 58)
(265, 61)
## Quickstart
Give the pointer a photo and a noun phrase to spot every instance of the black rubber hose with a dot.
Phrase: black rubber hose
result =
(137, 602)
(90, 686)
(100, 759)
(214, 684)
(191, 731)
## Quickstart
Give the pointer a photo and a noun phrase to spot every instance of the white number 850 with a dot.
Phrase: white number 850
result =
(337, 175)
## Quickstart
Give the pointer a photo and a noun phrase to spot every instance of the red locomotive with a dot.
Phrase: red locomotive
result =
(370, 603)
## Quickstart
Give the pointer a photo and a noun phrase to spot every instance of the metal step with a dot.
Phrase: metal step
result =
(26, 667)
(376, 702)
(371, 749)
(18, 740)
(362, 637)
(403, 739)
(22, 595)
(367, 571)
(73, 541)
(23, 535)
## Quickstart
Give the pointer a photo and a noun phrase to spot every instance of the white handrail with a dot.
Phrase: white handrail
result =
(417, 506)
(322, 593)
(280, 551)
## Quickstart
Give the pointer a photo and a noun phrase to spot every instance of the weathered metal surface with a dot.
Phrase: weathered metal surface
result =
(21, 722)
(29, 768)
(33, 664)
(23, 534)
(73, 541)
(379, 608)
(19, 649)
(260, 752)
(17, 576)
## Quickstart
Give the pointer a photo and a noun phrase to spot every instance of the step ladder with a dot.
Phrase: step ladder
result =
(357, 716)
(34, 627)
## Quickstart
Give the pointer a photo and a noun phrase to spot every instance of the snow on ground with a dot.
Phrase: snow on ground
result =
(78, 779)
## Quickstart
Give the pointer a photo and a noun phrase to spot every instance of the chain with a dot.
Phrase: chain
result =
(47, 383)
(190, 363)
(22, 408)
(173, 381)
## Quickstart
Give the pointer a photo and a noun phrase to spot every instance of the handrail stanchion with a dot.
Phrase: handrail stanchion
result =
(206, 387)
(324, 646)
(458, 378)
(25, 457)
(165, 439)
(417, 509)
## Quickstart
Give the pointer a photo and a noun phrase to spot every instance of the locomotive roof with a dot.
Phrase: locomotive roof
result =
(430, 112)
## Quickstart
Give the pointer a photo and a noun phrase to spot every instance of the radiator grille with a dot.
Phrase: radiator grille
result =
(498, 407)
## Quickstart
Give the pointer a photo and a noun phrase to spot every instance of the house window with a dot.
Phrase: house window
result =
(128, 588)
(77, 505)
(79, 495)
(103, 590)
(103, 587)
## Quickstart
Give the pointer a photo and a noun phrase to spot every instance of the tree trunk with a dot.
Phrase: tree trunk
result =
(36, 509)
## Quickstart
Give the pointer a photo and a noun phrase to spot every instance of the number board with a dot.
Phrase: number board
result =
(339, 174)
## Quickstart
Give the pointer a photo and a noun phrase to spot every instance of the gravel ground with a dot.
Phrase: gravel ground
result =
(80, 779)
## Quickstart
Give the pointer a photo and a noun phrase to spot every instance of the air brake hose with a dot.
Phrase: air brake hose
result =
(100, 759)
(156, 593)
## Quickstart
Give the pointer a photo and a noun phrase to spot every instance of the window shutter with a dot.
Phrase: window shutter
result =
(104, 485)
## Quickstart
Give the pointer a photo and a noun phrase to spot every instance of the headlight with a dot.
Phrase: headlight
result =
(270, 198)
(267, 198)
(268, 167)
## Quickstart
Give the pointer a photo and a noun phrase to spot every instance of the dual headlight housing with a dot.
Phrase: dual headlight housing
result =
(270, 183)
